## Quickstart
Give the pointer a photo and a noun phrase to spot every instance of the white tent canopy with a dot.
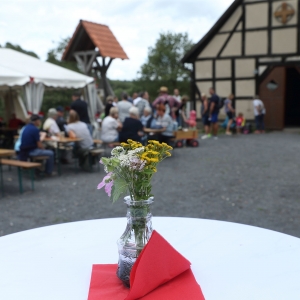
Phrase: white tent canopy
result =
(17, 68)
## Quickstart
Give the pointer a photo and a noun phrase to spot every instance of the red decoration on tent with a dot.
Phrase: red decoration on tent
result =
(31, 79)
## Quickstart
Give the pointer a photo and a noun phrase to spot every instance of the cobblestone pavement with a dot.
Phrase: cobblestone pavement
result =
(251, 179)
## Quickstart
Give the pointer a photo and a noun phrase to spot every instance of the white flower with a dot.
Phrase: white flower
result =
(117, 151)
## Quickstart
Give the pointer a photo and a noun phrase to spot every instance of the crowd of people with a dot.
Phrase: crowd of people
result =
(210, 110)
(130, 118)
(136, 118)
(32, 140)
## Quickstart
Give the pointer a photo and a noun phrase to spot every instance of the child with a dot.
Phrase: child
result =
(240, 122)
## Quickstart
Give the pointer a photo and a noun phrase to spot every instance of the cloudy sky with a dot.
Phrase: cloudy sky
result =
(38, 25)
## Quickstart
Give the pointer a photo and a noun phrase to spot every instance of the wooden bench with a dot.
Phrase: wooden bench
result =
(96, 153)
(31, 166)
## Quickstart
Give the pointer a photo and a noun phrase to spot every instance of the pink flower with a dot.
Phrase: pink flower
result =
(108, 188)
(107, 183)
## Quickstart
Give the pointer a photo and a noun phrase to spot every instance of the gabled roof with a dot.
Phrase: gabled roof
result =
(90, 35)
(191, 55)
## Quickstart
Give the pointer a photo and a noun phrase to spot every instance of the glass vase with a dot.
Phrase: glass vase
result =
(136, 235)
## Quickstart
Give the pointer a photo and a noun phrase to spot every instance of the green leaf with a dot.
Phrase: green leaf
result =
(119, 188)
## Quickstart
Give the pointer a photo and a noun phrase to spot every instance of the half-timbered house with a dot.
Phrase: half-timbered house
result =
(254, 48)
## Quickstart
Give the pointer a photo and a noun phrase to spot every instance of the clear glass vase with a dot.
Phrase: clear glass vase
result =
(136, 235)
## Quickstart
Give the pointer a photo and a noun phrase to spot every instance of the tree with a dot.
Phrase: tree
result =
(20, 49)
(164, 67)
(54, 56)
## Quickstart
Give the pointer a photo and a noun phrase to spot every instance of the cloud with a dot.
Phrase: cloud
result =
(38, 25)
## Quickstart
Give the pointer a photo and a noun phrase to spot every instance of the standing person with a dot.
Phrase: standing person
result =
(109, 104)
(205, 116)
(170, 103)
(80, 106)
(60, 120)
(177, 95)
(214, 112)
(142, 102)
(31, 144)
(132, 127)
(229, 111)
(259, 113)
(115, 101)
(123, 107)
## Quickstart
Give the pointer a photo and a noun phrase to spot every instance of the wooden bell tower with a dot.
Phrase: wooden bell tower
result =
(94, 47)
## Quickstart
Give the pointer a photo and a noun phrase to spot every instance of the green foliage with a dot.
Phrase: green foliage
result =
(119, 189)
(163, 63)
(54, 56)
(54, 98)
(20, 49)
(120, 86)
(163, 66)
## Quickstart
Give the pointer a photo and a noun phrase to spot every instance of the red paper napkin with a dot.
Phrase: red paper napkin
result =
(160, 272)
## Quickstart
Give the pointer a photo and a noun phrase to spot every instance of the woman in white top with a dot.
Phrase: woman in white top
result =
(111, 127)
(78, 129)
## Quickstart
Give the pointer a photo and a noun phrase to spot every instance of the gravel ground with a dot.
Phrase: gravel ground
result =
(253, 180)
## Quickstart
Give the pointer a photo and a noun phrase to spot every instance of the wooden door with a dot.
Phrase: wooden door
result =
(274, 98)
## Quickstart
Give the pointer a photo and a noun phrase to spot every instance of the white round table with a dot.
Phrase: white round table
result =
(229, 261)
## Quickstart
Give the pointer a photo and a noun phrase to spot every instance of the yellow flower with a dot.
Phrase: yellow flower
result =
(168, 153)
(155, 160)
(154, 169)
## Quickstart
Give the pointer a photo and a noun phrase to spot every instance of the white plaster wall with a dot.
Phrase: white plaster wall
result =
(223, 68)
(223, 88)
(204, 86)
(244, 67)
(214, 46)
(293, 20)
(231, 22)
(256, 42)
(245, 107)
(203, 69)
(284, 41)
(198, 108)
(257, 15)
(234, 46)
(244, 88)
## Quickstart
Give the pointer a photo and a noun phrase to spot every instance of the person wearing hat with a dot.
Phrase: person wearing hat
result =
(50, 125)
(60, 120)
(168, 101)
(31, 144)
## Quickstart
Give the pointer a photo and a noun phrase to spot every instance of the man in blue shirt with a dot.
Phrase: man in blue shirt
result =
(214, 111)
(32, 146)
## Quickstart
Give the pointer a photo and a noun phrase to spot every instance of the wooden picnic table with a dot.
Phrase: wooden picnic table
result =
(4, 153)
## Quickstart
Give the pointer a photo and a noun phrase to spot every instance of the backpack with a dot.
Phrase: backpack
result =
(221, 102)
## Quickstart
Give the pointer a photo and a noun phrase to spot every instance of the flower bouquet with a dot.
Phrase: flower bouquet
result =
(129, 171)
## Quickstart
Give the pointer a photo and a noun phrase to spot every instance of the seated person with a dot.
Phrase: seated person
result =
(50, 125)
(31, 144)
(147, 117)
(78, 129)
(164, 121)
(15, 123)
(132, 127)
(111, 126)
(60, 120)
